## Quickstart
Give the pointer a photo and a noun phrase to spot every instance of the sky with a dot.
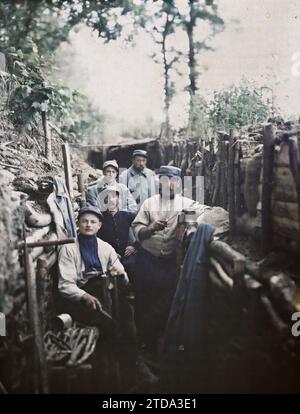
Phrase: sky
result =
(261, 42)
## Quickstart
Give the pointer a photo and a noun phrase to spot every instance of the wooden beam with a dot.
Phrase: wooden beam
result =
(236, 259)
(221, 273)
(47, 243)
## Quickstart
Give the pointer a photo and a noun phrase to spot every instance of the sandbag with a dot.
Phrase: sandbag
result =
(217, 217)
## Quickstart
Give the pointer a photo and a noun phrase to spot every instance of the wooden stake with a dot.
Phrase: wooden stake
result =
(41, 279)
(268, 163)
(81, 189)
(230, 183)
(68, 170)
(33, 314)
(47, 134)
(237, 180)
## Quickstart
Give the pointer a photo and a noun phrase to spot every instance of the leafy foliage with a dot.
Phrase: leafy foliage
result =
(32, 93)
(27, 91)
(105, 17)
(27, 23)
(238, 106)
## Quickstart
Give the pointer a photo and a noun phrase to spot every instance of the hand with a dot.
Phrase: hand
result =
(129, 250)
(91, 302)
(157, 226)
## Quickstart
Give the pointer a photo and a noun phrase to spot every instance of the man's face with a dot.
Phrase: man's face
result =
(139, 162)
(89, 224)
(169, 187)
(111, 201)
(110, 174)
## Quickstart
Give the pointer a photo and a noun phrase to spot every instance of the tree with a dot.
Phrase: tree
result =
(105, 17)
(161, 24)
(30, 31)
(198, 10)
(32, 24)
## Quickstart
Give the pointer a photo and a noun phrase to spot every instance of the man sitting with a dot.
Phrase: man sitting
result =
(84, 269)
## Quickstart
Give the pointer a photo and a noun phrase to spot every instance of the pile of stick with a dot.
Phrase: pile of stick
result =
(71, 347)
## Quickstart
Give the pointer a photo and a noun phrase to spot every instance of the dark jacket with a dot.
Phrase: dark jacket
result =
(116, 231)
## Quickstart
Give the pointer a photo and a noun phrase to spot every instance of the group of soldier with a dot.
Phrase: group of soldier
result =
(126, 231)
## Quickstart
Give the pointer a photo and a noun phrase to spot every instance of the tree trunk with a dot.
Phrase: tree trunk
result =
(192, 61)
(166, 84)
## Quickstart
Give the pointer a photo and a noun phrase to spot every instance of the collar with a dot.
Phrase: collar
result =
(134, 172)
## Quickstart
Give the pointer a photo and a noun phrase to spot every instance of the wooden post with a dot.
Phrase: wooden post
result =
(81, 189)
(223, 164)
(268, 163)
(34, 321)
(295, 168)
(230, 184)
(48, 141)
(34, 295)
(67, 169)
(41, 278)
(237, 179)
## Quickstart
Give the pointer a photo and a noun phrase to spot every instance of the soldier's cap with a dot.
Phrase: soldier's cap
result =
(140, 153)
(90, 210)
(169, 171)
(111, 163)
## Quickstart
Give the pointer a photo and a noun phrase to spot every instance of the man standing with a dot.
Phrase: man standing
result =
(140, 180)
(110, 173)
(154, 227)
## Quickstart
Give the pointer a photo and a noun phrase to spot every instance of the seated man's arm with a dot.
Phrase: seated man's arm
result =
(68, 276)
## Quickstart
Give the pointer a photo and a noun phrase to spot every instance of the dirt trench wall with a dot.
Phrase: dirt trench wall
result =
(12, 288)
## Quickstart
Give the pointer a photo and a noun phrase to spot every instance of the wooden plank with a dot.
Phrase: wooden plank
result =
(287, 227)
(285, 209)
(284, 196)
